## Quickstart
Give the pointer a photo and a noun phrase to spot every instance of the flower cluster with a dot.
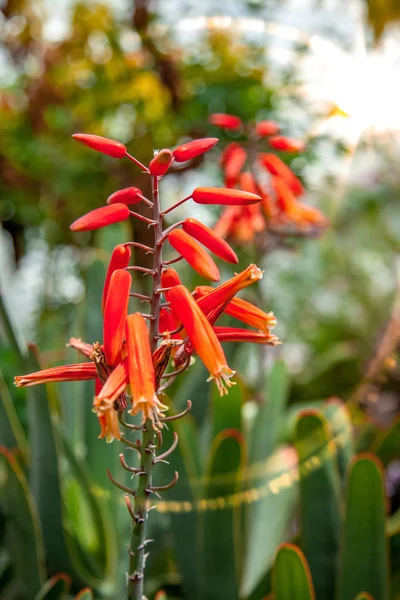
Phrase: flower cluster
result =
(132, 366)
(247, 168)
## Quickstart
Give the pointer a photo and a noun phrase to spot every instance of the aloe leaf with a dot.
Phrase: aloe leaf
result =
(180, 502)
(387, 444)
(56, 588)
(291, 577)
(12, 435)
(85, 594)
(364, 563)
(320, 500)
(23, 535)
(272, 492)
(269, 421)
(220, 521)
(338, 417)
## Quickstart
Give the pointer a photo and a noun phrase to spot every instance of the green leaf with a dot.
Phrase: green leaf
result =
(272, 492)
(269, 421)
(387, 444)
(338, 417)
(23, 535)
(320, 505)
(221, 517)
(12, 435)
(56, 588)
(364, 564)
(85, 594)
(291, 577)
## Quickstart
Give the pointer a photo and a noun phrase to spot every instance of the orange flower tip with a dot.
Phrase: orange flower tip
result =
(285, 144)
(267, 128)
(152, 409)
(225, 121)
(160, 164)
(225, 196)
(223, 380)
(210, 239)
(194, 254)
(194, 149)
(130, 195)
(101, 217)
(101, 144)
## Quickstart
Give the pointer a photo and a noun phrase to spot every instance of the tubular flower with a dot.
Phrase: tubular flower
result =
(141, 372)
(234, 164)
(224, 196)
(78, 372)
(130, 195)
(161, 162)
(194, 254)
(225, 121)
(210, 240)
(267, 128)
(108, 419)
(193, 149)
(276, 166)
(113, 387)
(169, 278)
(286, 144)
(115, 312)
(101, 217)
(119, 260)
(101, 144)
(202, 336)
(233, 334)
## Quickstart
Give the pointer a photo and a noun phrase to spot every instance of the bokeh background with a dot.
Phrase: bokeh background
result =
(149, 74)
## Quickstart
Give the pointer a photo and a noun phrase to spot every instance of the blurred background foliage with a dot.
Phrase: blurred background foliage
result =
(134, 75)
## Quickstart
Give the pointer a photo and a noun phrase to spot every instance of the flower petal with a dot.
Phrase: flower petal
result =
(229, 196)
(119, 260)
(209, 239)
(78, 372)
(101, 144)
(101, 217)
(194, 254)
(130, 195)
(201, 335)
(193, 149)
(115, 312)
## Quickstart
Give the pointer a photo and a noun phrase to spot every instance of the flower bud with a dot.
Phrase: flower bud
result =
(193, 149)
(101, 144)
(130, 195)
(101, 217)
(194, 254)
(204, 195)
(225, 121)
(161, 163)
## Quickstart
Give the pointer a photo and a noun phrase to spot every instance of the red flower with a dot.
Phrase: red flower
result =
(194, 254)
(78, 372)
(225, 121)
(234, 164)
(101, 144)
(119, 260)
(286, 144)
(267, 128)
(276, 166)
(210, 240)
(193, 149)
(228, 196)
(130, 195)
(202, 336)
(115, 312)
(101, 217)
(161, 162)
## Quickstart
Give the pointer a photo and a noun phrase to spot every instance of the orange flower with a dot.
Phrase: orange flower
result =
(276, 166)
(130, 195)
(115, 312)
(101, 217)
(113, 387)
(225, 121)
(119, 260)
(141, 371)
(202, 336)
(234, 165)
(233, 334)
(279, 142)
(161, 162)
(108, 419)
(204, 195)
(169, 278)
(78, 372)
(101, 144)
(194, 148)
(210, 240)
(194, 254)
